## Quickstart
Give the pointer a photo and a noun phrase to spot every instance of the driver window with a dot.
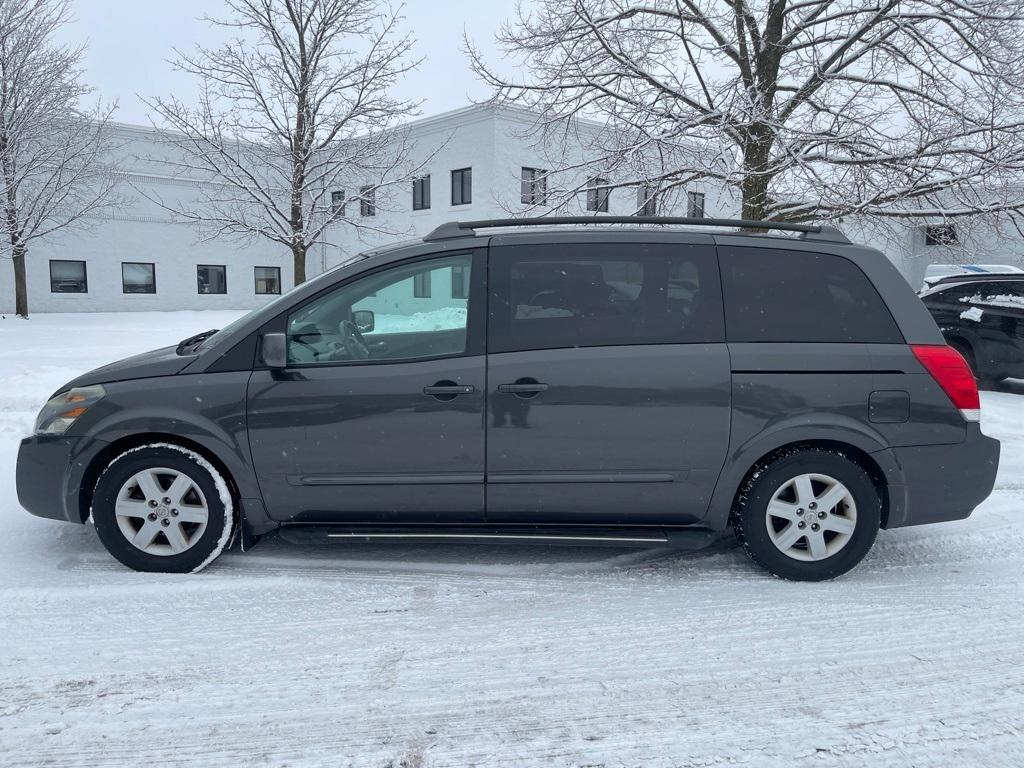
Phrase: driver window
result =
(406, 312)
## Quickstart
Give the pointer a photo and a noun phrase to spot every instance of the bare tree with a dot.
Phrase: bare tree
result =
(294, 108)
(53, 152)
(802, 109)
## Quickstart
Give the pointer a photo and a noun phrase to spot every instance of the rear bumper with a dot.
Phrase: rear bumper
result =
(50, 472)
(938, 483)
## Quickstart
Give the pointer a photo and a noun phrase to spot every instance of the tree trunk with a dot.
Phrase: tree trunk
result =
(756, 179)
(20, 287)
(755, 189)
(299, 262)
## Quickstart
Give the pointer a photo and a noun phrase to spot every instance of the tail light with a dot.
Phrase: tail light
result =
(951, 372)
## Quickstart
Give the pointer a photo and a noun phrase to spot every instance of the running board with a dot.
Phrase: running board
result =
(676, 538)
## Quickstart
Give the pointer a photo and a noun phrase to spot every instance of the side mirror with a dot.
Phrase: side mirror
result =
(363, 318)
(274, 350)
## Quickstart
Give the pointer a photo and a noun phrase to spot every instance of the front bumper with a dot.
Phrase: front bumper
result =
(942, 482)
(50, 475)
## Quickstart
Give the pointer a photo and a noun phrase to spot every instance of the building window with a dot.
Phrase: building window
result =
(68, 277)
(460, 282)
(212, 278)
(695, 205)
(462, 186)
(138, 277)
(338, 202)
(268, 280)
(940, 234)
(421, 193)
(367, 201)
(534, 186)
(421, 285)
(598, 194)
(646, 201)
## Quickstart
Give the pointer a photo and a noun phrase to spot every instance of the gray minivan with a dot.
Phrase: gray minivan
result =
(498, 380)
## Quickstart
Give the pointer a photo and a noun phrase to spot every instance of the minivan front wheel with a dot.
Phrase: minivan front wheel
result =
(809, 515)
(163, 508)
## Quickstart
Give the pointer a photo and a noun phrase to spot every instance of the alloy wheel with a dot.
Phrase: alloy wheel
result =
(161, 511)
(811, 517)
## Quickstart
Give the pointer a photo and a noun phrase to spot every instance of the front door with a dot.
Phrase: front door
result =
(609, 383)
(378, 417)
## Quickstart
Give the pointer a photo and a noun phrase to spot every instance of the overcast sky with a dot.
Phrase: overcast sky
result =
(131, 40)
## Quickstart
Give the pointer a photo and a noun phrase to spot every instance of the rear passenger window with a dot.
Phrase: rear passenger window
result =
(587, 295)
(778, 295)
(997, 294)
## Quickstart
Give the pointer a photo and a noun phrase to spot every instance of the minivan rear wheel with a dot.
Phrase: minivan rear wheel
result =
(809, 515)
(163, 508)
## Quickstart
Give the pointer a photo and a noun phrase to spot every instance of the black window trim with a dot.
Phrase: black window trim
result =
(422, 286)
(598, 189)
(462, 185)
(694, 196)
(476, 313)
(367, 201)
(533, 190)
(338, 206)
(422, 184)
(138, 293)
(462, 283)
(279, 290)
(85, 274)
(212, 293)
(647, 200)
(930, 239)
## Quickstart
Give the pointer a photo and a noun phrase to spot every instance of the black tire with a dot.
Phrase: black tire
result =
(203, 548)
(751, 523)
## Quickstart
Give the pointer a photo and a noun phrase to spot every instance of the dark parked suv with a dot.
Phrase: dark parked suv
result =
(637, 385)
(982, 317)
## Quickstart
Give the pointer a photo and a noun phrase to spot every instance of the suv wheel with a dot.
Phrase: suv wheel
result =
(810, 515)
(163, 508)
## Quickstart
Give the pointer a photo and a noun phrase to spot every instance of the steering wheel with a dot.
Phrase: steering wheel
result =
(299, 349)
(352, 340)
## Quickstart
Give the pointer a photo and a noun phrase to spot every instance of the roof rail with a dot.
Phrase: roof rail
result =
(453, 229)
(974, 277)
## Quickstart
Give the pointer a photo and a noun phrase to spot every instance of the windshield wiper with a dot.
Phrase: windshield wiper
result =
(191, 344)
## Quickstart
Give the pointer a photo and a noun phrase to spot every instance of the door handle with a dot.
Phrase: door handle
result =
(446, 390)
(524, 388)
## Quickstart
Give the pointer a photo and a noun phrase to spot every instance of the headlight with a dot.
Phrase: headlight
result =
(62, 411)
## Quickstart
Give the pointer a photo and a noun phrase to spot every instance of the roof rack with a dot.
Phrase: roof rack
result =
(453, 229)
(974, 277)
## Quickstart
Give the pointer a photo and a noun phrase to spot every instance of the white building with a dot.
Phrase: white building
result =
(139, 257)
(478, 162)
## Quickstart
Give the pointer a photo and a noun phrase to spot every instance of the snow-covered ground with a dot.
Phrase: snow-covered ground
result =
(444, 656)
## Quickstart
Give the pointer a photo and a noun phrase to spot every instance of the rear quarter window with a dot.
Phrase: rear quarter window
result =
(777, 295)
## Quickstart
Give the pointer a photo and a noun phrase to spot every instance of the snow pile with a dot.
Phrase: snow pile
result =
(443, 319)
(974, 314)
